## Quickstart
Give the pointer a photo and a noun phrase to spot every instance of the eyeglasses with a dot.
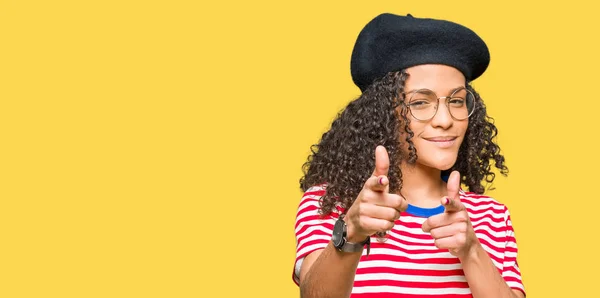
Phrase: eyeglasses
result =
(423, 103)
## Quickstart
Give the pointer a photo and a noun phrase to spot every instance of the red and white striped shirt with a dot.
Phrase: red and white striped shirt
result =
(408, 264)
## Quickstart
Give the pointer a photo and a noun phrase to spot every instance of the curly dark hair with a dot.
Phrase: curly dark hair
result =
(344, 158)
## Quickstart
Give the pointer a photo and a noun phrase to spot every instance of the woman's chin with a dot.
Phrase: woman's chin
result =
(440, 164)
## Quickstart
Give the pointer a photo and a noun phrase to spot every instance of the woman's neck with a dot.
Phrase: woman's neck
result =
(422, 186)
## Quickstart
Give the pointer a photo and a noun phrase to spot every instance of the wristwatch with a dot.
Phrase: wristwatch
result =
(340, 242)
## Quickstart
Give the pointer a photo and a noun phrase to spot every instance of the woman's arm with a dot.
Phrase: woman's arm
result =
(483, 276)
(328, 273)
(453, 230)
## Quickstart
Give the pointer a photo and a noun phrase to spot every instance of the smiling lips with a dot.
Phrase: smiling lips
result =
(442, 142)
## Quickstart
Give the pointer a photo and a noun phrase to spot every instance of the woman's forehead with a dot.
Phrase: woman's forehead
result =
(440, 79)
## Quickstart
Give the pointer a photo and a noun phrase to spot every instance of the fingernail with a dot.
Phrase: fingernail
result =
(381, 180)
(446, 201)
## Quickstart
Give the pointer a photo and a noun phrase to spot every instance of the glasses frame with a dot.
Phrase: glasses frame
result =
(446, 98)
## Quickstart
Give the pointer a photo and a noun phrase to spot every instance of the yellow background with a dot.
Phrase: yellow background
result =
(153, 148)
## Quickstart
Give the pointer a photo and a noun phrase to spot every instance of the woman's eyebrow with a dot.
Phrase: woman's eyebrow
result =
(450, 93)
(457, 88)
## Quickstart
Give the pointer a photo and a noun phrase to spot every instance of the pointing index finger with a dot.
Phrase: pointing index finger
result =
(452, 205)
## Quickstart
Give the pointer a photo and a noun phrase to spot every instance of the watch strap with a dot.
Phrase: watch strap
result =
(356, 247)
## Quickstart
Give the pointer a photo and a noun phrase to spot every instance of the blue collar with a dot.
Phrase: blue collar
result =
(427, 212)
(424, 212)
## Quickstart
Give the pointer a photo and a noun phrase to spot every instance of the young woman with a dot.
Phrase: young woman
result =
(383, 213)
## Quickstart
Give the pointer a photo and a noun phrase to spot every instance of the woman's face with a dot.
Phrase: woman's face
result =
(438, 139)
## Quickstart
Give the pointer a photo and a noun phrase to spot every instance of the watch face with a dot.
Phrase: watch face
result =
(338, 233)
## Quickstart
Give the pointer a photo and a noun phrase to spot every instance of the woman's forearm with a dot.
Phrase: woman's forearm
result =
(331, 275)
(483, 277)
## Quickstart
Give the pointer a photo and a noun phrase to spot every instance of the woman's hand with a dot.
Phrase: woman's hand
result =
(375, 209)
(452, 229)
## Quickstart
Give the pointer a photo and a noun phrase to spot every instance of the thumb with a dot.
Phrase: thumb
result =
(382, 166)
(453, 185)
(382, 162)
(452, 201)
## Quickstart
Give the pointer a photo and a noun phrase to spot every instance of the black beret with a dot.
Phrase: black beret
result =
(391, 42)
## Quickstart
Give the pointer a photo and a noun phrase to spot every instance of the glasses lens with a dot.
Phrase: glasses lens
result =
(461, 104)
(422, 104)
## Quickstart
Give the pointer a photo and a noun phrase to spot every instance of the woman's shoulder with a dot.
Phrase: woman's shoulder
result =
(316, 190)
(312, 196)
(482, 204)
(311, 199)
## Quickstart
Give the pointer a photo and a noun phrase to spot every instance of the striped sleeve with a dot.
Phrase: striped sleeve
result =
(510, 271)
(313, 232)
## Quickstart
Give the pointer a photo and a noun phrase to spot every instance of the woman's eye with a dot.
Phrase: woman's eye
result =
(419, 104)
(457, 102)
